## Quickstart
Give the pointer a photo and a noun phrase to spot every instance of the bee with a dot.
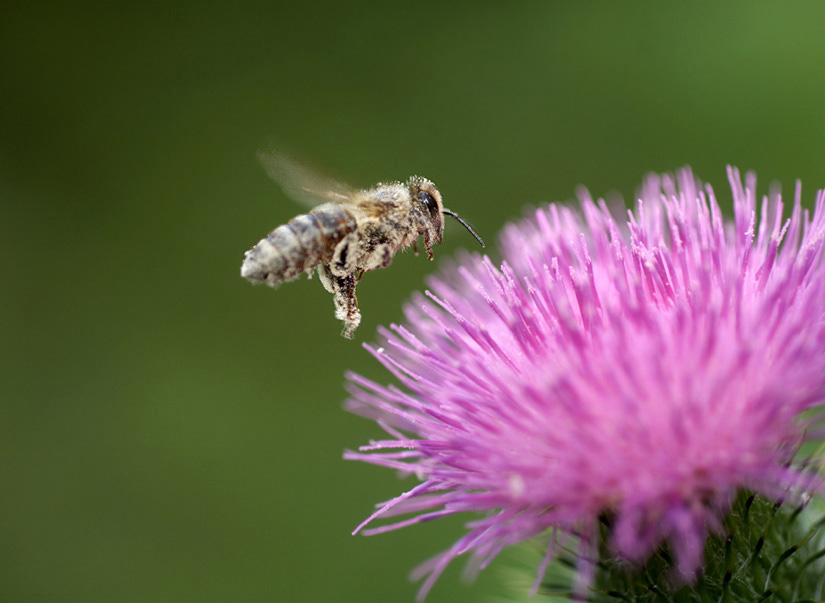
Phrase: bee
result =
(349, 232)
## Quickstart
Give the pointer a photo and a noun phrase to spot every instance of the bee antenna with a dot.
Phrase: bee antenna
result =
(464, 224)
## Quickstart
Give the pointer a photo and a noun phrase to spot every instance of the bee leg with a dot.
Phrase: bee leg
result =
(385, 255)
(345, 256)
(379, 257)
(428, 244)
(343, 295)
(326, 278)
(346, 305)
(415, 247)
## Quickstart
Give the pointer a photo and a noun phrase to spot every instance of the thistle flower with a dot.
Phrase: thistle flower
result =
(645, 373)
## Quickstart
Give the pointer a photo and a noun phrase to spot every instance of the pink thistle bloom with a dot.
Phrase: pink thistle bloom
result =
(645, 372)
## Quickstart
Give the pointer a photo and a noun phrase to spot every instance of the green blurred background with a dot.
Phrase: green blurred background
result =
(169, 432)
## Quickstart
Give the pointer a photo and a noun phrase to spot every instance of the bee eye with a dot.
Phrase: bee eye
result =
(428, 201)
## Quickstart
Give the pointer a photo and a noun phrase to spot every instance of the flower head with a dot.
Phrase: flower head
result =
(644, 372)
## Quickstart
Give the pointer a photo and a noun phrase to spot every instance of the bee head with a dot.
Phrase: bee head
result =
(428, 208)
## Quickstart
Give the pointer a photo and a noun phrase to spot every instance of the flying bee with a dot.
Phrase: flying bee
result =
(348, 233)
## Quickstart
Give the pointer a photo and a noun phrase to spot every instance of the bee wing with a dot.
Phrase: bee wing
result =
(302, 183)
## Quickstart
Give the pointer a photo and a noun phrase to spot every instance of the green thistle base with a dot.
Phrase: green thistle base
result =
(767, 552)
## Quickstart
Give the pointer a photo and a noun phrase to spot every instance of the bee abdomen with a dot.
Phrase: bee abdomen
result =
(299, 245)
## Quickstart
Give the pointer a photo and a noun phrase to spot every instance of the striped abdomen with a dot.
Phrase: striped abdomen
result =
(299, 245)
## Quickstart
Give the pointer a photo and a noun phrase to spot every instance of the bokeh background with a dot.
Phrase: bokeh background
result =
(169, 432)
